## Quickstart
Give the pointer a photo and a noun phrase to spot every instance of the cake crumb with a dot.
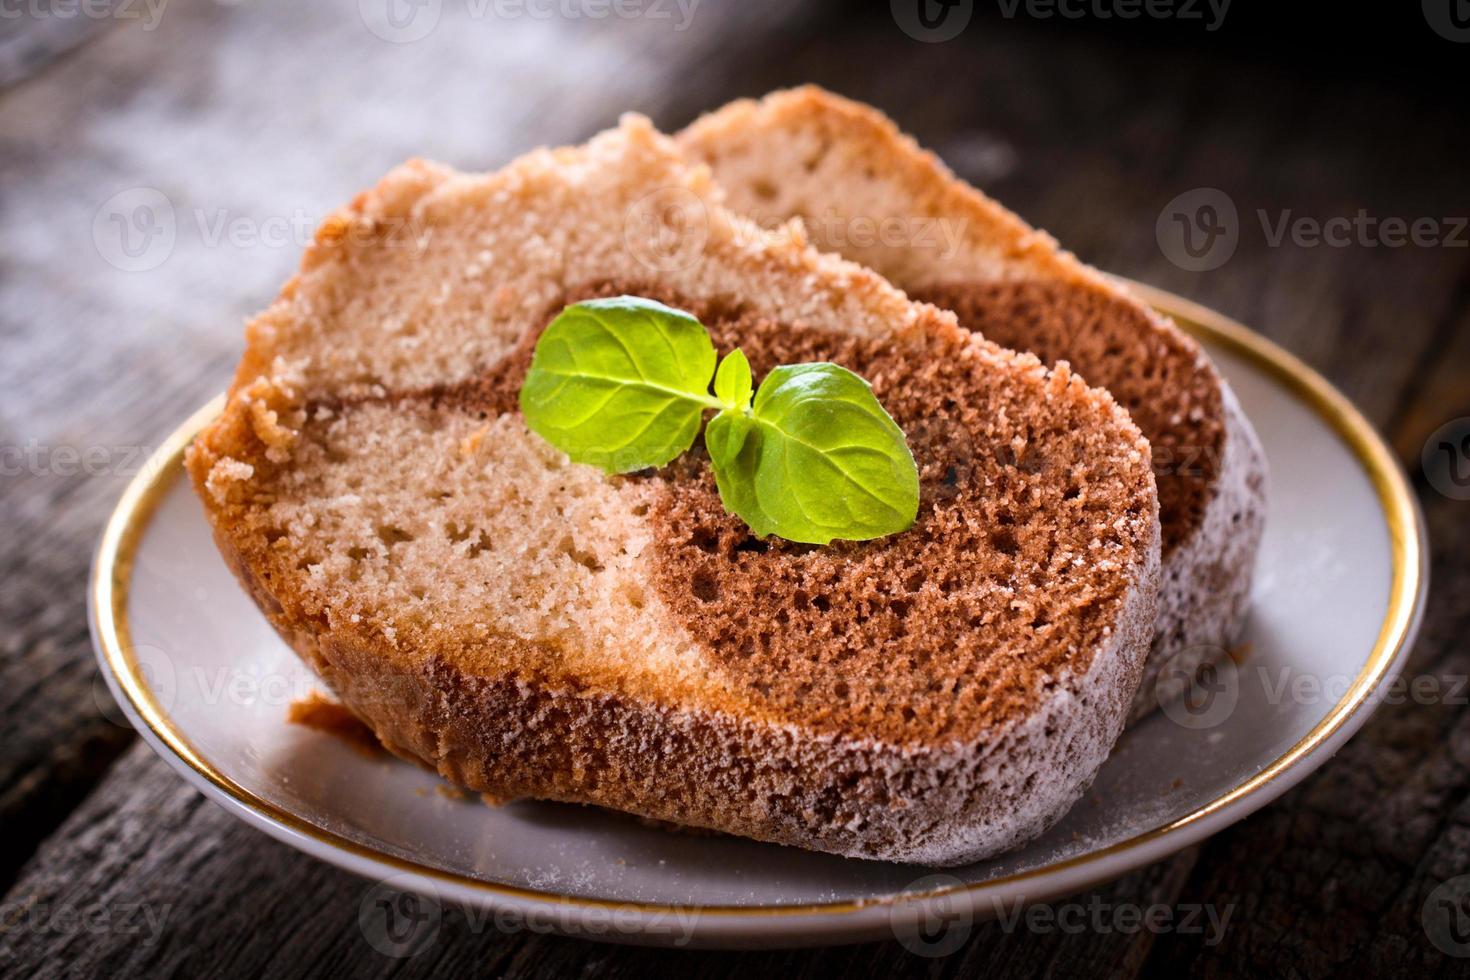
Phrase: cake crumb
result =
(324, 714)
(470, 444)
(224, 474)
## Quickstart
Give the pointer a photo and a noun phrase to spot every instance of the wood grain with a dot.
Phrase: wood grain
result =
(149, 879)
(1087, 135)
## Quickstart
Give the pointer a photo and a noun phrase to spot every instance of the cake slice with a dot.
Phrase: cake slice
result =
(534, 628)
(868, 192)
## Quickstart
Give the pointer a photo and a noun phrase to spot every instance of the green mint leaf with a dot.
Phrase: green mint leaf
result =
(620, 383)
(817, 458)
(623, 384)
(732, 381)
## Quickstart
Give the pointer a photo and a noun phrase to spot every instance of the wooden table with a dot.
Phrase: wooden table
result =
(254, 119)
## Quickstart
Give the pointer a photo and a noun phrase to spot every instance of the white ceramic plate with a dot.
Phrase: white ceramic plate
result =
(1338, 594)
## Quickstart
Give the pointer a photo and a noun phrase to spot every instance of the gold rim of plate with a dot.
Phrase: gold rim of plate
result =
(112, 576)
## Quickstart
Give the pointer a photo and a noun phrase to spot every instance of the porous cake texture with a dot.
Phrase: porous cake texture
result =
(866, 191)
(531, 627)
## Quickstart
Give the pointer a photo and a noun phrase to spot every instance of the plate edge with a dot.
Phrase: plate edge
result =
(112, 567)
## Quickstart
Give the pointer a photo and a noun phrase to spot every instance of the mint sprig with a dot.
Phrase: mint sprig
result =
(623, 384)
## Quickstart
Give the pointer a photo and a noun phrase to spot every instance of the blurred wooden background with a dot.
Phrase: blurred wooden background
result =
(253, 119)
